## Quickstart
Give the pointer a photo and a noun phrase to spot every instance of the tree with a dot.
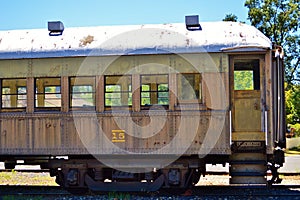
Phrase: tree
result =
(279, 21)
(230, 18)
(243, 80)
(293, 104)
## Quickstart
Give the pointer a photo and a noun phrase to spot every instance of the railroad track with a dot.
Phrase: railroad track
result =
(16, 190)
(202, 192)
(207, 173)
(269, 174)
(248, 191)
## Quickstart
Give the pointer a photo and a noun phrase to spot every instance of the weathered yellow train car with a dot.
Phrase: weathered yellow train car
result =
(133, 103)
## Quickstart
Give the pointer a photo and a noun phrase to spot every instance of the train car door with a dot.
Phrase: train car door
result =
(246, 99)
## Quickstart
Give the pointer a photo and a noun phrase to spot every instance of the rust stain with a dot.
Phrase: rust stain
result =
(86, 40)
(187, 42)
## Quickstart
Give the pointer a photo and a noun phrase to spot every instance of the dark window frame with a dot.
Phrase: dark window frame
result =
(47, 94)
(198, 96)
(92, 93)
(15, 94)
(155, 92)
(121, 93)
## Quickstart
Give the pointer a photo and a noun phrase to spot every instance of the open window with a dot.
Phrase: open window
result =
(47, 93)
(82, 92)
(154, 90)
(13, 93)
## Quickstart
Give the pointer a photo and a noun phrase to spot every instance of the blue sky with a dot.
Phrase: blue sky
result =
(28, 14)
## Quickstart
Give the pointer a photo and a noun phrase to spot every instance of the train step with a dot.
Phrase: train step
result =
(248, 168)
(249, 180)
(252, 168)
(248, 174)
(248, 162)
(249, 156)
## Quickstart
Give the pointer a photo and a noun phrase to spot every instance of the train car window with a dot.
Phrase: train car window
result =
(189, 88)
(82, 91)
(118, 91)
(154, 90)
(246, 75)
(47, 93)
(14, 93)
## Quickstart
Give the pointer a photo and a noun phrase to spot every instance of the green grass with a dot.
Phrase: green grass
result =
(19, 178)
(118, 196)
(11, 197)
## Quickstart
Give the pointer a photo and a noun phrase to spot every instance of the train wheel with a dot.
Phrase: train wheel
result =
(60, 178)
(73, 190)
(196, 177)
(192, 178)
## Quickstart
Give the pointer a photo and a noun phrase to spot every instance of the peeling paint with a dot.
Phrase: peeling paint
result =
(86, 40)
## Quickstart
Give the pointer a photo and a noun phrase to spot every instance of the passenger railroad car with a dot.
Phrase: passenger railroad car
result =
(141, 107)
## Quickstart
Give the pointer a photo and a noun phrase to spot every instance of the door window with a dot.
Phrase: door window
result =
(246, 75)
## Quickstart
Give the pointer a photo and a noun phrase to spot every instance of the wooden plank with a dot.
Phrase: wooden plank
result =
(100, 93)
(30, 95)
(136, 93)
(64, 94)
(47, 133)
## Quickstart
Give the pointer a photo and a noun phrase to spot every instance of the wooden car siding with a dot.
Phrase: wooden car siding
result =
(52, 134)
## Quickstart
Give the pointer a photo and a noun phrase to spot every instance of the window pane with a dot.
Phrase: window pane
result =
(118, 91)
(163, 94)
(154, 90)
(112, 95)
(243, 80)
(6, 94)
(52, 96)
(47, 92)
(82, 91)
(22, 96)
(246, 74)
(14, 93)
(189, 87)
(145, 95)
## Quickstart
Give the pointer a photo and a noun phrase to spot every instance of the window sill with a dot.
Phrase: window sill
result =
(190, 106)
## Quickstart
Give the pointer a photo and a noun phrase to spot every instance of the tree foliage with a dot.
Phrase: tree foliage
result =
(243, 80)
(230, 18)
(293, 104)
(279, 21)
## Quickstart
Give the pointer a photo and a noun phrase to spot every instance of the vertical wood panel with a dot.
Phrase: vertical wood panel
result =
(13, 133)
(100, 93)
(81, 133)
(172, 91)
(30, 95)
(136, 93)
(65, 94)
(269, 97)
(47, 133)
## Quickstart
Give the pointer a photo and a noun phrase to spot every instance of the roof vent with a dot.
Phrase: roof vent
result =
(56, 28)
(192, 23)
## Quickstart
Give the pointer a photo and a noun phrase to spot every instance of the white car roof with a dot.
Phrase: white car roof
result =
(132, 40)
